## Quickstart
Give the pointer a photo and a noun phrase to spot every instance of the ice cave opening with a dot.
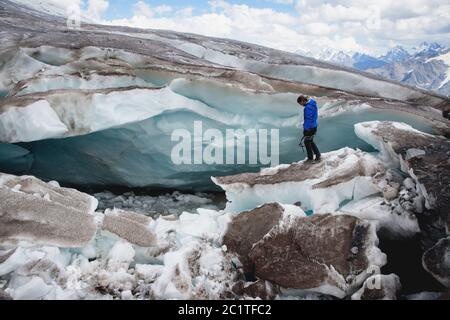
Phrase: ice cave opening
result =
(138, 155)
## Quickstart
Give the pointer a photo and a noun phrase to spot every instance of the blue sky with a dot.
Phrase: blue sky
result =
(119, 9)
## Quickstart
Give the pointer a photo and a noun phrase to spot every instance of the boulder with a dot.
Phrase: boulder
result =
(248, 228)
(436, 261)
(322, 253)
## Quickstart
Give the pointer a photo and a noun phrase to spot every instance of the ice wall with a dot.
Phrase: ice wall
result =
(138, 154)
(122, 152)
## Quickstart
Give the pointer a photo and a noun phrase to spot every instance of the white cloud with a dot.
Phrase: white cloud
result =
(96, 8)
(143, 9)
(281, 1)
(163, 9)
(349, 25)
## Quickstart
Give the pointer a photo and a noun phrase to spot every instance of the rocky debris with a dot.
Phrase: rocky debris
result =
(379, 287)
(44, 214)
(130, 226)
(401, 198)
(436, 261)
(424, 158)
(430, 171)
(322, 253)
(389, 184)
(156, 205)
(390, 219)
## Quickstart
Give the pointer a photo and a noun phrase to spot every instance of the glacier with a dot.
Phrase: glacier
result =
(95, 110)
(127, 147)
(103, 110)
(145, 149)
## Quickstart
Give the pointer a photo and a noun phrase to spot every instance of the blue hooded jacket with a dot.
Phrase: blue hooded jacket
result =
(310, 115)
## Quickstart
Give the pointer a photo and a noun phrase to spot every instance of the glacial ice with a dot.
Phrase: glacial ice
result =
(56, 82)
(37, 121)
(186, 262)
(34, 213)
(138, 154)
(376, 209)
(341, 79)
(345, 174)
(111, 128)
(132, 100)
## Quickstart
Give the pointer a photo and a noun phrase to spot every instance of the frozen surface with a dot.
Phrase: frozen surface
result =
(187, 263)
(116, 100)
(395, 222)
(138, 154)
(342, 175)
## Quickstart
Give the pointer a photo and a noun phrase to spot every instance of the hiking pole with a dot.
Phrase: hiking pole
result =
(301, 144)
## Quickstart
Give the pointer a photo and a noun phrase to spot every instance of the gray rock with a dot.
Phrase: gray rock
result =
(413, 153)
(436, 261)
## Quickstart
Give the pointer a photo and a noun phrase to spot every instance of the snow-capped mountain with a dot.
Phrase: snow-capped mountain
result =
(429, 50)
(364, 61)
(425, 66)
(396, 54)
(338, 57)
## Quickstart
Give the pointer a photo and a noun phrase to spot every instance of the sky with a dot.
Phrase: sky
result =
(370, 26)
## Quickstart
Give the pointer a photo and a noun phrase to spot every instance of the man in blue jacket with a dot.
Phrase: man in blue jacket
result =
(310, 116)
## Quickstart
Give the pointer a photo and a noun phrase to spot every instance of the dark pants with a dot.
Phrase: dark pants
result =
(310, 145)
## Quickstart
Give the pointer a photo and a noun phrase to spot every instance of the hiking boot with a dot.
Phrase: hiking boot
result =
(309, 161)
(317, 160)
